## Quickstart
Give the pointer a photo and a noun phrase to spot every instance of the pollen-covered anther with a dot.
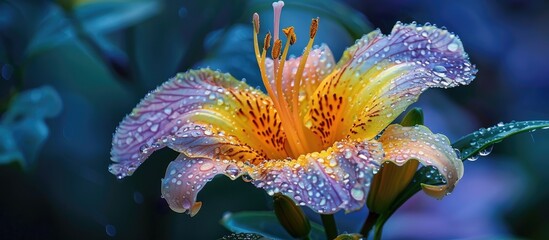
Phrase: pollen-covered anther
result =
(267, 41)
(256, 22)
(275, 53)
(314, 28)
(290, 34)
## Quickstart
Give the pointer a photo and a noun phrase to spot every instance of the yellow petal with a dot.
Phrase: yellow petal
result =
(380, 76)
(405, 143)
(201, 113)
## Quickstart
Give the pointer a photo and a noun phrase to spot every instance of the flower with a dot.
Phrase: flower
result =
(314, 137)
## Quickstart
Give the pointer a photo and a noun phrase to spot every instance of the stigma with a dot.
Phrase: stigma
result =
(285, 98)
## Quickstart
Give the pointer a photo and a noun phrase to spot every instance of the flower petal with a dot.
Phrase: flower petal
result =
(380, 76)
(319, 64)
(404, 143)
(185, 177)
(328, 181)
(201, 113)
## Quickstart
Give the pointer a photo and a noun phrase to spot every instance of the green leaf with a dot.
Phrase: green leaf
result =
(412, 118)
(263, 223)
(96, 18)
(472, 144)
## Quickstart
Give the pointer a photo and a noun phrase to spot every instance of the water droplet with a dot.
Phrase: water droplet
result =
(348, 154)
(154, 128)
(233, 171)
(439, 69)
(144, 148)
(452, 47)
(486, 151)
(247, 178)
(473, 158)
(357, 193)
(309, 124)
(206, 166)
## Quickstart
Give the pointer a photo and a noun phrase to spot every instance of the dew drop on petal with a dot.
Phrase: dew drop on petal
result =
(233, 171)
(246, 178)
(154, 128)
(452, 47)
(206, 166)
(357, 193)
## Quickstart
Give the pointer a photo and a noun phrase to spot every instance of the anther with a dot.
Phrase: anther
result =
(275, 54)
(267, 42)
(290, 34)
(256, 22)
(314, 27)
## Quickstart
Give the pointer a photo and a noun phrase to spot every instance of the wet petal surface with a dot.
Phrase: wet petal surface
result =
(327, 181)
(185, 177)
(196, 113)
(380, 76)
(404, 143)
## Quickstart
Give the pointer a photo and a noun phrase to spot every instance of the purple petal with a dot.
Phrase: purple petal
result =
(185, 177)
(201, 113)
(328, 181)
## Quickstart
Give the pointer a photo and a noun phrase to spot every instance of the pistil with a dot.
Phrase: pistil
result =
(295, 130)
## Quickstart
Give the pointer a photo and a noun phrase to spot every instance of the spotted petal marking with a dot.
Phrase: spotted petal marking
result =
(201, 113)
(327, 181)
(380, 76)
(404, 143)
(319, 64)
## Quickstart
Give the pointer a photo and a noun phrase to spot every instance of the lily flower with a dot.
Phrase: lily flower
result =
(318, 135)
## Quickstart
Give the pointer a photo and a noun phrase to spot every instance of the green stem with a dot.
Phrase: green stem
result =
(330, 226)
(378, 231)
(369, 224)
(411, 190)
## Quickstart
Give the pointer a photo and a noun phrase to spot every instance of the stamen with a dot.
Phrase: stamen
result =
(267, 41)
(314, 28)
(256, 23)
(275, 53)
(290, 34)
(256, 31)
(278, 75)
(299, 75)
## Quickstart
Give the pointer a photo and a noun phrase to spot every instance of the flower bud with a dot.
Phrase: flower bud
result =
(392, 179)
(291, 216)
